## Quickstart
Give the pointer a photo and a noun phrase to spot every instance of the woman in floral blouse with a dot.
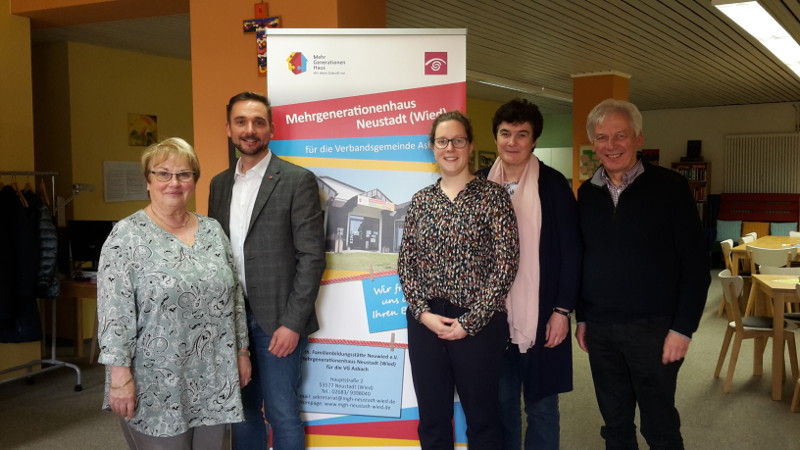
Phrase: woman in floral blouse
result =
(171, 315)
(457, 262)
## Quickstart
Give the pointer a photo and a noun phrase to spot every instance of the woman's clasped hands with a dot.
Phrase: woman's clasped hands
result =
(444, 327)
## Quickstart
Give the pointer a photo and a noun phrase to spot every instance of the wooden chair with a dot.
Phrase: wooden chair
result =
(789, 271)
(792, 317)
(739, 328)
(768, 257)
(726, 246)
(773, 257)
(748, 238)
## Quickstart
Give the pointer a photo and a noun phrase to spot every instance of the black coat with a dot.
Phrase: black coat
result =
(560, 253)
(19, 266)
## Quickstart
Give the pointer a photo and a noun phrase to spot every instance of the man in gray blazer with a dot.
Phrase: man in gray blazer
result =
(270, 208)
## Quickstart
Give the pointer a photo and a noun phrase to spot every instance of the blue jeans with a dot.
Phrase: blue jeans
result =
(543, 420)
(275, 384)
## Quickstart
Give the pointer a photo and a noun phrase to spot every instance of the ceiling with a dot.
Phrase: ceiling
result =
(678, 53)
(162, 36)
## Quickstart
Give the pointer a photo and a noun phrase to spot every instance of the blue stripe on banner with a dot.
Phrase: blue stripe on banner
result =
(379, 148)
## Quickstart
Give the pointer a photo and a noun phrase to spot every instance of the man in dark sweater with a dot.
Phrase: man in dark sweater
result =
(645, 281)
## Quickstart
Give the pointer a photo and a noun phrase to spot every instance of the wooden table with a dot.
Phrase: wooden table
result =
(781, 289)
(739, 253)
(77, 290)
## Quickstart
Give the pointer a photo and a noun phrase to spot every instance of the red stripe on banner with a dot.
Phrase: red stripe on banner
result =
(396, 113)
(395, 429)
(362, 276)
(356, 342)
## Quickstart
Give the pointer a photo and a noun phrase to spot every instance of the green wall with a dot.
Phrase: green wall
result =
(557, 131)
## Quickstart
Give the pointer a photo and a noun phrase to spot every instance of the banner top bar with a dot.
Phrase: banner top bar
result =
(373, 31)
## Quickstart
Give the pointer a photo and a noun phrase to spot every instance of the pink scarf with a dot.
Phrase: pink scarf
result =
(523, 298)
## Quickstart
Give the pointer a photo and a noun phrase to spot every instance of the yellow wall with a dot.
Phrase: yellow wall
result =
(16, 134)
(63, 13)
(16, 111)
(104, 85)
(480, 113)
(51, 114)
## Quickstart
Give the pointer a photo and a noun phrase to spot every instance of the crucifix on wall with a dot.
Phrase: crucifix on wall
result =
(259, 26)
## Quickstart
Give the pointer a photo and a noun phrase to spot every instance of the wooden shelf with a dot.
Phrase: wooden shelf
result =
(697, 173)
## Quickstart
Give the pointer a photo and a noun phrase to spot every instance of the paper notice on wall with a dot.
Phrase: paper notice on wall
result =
(123, 181)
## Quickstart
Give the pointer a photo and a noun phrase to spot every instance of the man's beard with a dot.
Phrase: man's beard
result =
(259, 149)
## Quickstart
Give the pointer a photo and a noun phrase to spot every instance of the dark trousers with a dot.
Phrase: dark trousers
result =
(470, 366)
(627, 370)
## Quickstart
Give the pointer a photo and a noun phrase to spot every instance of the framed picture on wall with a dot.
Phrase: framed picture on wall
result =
(588, 162)
(485, 159)
(142, 129)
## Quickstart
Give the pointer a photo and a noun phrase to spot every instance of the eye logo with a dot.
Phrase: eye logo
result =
(435, 63)
(297, 63)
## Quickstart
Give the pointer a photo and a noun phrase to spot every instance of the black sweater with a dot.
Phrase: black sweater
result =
(646, 257)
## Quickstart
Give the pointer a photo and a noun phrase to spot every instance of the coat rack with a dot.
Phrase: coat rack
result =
(52, 362)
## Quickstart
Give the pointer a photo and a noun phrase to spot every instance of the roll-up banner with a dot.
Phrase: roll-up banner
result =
(355, 107)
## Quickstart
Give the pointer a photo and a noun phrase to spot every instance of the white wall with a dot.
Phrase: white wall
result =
(559, 158)
(668, 130)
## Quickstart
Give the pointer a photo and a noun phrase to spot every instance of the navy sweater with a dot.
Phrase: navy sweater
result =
(646, 257)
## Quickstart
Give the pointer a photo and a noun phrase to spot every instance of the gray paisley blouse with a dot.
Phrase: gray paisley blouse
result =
(175, 315)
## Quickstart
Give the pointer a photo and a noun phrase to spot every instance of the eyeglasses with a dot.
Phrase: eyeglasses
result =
(164, 176)
(442, 143)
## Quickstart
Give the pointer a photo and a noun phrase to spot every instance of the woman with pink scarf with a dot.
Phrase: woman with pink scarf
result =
(538, 360)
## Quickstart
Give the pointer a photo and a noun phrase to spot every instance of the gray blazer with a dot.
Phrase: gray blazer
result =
(284, 250)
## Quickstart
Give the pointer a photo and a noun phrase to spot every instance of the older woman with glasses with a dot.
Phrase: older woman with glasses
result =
(172, 328)
(457, 262)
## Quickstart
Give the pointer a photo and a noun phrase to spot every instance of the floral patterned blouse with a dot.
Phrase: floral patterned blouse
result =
(175, 315)
(465, 251)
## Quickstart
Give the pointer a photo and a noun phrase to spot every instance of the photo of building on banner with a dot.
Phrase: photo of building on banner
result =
(371, 154)
(355, 107)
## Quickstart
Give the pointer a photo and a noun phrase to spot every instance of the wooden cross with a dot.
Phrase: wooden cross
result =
(259, 26)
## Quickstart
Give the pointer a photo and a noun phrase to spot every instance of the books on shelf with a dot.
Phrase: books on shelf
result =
(693, 173)
(697, 173)
(699, 193)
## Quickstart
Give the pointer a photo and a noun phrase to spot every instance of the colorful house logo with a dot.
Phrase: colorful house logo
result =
(297, 63)
(435, 63)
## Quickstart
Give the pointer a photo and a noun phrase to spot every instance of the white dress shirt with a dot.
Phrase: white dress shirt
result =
(245, 191)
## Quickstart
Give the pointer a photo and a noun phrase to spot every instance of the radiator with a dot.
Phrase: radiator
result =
(762, 163)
